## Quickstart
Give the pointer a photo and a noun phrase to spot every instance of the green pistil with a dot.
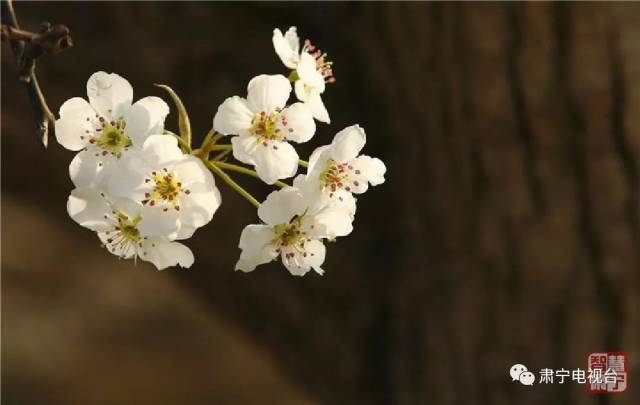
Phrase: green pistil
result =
(128, 228)
(265, 127)
(289, 234)
(113, 140)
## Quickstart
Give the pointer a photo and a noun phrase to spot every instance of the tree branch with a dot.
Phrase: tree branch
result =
(27, 47)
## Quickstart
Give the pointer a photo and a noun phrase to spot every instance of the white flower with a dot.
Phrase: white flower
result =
(106, 127)
(336, 171)
(174, 189)
(287, 46)
(312, 70)
(124, 230)
(264, 126)
(293, 229)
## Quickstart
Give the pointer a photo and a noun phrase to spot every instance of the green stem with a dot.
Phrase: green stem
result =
(303, 163)
(225, 177)
(222, 154)
(244, 170)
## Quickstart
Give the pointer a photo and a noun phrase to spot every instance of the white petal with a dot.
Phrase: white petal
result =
(110, 94)
(366, 170)
(185, 231)
(318, 160)
(88, 207)
(190, 170)
(281, 206)
(165, 254)
(317, 108)
(300, 124)
(287, 47)
(244, 148)
(88, 170)
(300, 262)
(197, 208)
(233, 116)
(123, 251)
(309, 74)
(257, 247)
(71, 129)
(126, 177)
(156, 222)
(161, 150)
(348, 143)
(266, 93)
(332, 220)
(321, 200)
(275, 160)
(146, 117)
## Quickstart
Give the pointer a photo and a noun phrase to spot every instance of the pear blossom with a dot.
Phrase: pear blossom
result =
(124, 230)
(107, 127)
(173, 188)
(293, 229)
(336, 171)
(265, 126)
(311, 70)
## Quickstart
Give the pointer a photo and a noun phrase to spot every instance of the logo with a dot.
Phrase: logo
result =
(607, 372)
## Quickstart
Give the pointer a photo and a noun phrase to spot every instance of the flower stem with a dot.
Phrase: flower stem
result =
(221, 155)
(303, 163)
(225, 177)
(244, 170)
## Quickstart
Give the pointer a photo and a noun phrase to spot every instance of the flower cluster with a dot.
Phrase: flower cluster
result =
(134, 186)
(143, 188)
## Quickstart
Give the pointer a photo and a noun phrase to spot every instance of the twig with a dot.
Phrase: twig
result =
(27, 47)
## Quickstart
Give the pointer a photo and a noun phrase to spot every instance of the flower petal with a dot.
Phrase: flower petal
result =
(161, 150)
(281, 206)
(165, 254)
(366, 170)
(348, 143)
(300, 262)
(126, 178)
(244, 148)
(88, 207)
(190, 170)
(156, 222)
(233, 116)
(309, 74)
(73, 128)
(110, 94)
(318, 160)
(197, 208)
(146, 117)
(300, 125)
(287, 47)
(88, 170)
(332, 220)
(256, 242)
(275, 160)
(317, 108)
(266, 93)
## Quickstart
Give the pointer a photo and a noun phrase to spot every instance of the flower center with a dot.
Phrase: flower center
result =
(125, 236)
(265, 127)
(110, 137)
(289, 234)
(323, 65)
(335, 175)
(166, 190)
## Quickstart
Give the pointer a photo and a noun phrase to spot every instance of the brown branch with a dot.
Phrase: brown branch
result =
(27, 47)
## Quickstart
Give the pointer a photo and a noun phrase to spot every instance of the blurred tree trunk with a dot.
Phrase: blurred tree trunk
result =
(510, 228)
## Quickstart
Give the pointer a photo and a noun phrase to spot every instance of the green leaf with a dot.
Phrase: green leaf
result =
(184, 125)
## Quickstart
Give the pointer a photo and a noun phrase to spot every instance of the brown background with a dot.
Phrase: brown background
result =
(507, 230)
